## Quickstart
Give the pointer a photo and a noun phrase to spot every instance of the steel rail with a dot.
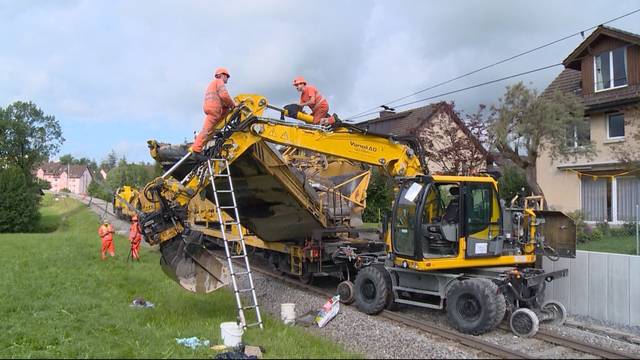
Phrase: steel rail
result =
(468, 340)
(463, 339)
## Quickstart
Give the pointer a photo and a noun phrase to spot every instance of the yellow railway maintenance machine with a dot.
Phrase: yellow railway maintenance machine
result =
(448, 243)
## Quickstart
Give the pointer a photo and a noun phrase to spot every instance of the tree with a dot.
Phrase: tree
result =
(512, 183)
(18, 201)
(379, 197)
(456, 150)
(70, 160)
(99, 191)
(27, 136)
(523, 125)
(67, 159)
(110, 162)
(136, 175)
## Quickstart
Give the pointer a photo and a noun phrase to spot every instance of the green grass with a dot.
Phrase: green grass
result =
(59, 300)
(610, 244)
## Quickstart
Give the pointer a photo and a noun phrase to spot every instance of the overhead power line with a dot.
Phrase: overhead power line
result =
(358, 115)
(465, 88)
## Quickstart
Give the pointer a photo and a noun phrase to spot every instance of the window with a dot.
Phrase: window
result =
(615, 126)
(611, 69)
(579, 134)
(479, 207)
(628, 196)
(596, 198)
(404, 222)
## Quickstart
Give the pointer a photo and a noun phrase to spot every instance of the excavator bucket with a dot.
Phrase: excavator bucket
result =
(187, 261)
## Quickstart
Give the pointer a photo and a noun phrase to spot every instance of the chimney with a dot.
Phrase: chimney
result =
(385, 113)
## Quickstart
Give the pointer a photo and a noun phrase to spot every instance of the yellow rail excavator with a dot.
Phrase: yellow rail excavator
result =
(447, 243)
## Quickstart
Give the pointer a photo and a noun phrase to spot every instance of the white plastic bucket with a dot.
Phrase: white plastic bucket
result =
(231, 333)
(288, 313)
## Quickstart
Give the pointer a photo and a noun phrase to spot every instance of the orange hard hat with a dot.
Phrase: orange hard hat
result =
(222, 70)
(134, 218)
(299, 80)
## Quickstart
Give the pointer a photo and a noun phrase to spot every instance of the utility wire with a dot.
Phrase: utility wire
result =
(358, 115)
(466, 88)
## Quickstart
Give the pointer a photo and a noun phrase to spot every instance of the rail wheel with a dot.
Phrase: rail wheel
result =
(372, 289)
(307, 276)
(524, 322)
(555, 311)
(346, 291)
(475, 306)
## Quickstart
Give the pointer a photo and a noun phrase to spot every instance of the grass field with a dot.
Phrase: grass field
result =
(59, 300)
(617, 244)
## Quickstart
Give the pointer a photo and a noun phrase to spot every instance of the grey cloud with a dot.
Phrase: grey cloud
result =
(149, 62)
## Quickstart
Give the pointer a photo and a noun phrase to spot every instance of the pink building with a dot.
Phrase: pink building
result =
(76, 178)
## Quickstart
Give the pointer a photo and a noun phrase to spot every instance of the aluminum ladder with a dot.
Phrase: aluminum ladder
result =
(219, 169)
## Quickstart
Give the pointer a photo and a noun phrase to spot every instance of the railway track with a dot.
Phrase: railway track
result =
(474, 342)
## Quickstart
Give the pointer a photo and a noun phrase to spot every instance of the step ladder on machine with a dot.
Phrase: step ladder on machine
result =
(219, 169)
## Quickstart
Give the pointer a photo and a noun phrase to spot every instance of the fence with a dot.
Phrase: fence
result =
(621, 237)
(600, 285)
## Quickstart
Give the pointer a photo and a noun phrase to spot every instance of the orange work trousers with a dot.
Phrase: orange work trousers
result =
(205, 133)
(320, 111)
(135, 250)
(107, 245)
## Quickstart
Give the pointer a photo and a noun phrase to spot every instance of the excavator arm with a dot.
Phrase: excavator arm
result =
(246, 126)
(243, 128)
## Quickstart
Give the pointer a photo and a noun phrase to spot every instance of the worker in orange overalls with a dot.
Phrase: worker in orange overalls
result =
(217, 104)
(105, 231)
(135, 237)
(311, 97)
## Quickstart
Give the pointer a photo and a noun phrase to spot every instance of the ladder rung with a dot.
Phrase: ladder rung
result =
(221, 175)
(231, 223)
(241, 273)
(254, 324)
(249, 307)
(244, 290)
(233, 240)
(224, 191)
(237, 256)
(226, 207)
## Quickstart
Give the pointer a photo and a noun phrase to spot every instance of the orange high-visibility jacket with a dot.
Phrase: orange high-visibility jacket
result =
(217, 101)
(308, 92)
(105, 232)
(134, 232)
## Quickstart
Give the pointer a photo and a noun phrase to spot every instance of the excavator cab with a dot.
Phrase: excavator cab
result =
(447, 217)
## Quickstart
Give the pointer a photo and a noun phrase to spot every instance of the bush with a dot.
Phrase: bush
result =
(585, 232)
(604, 228)
(379, 198)
(19, 197)
(629, 228)
(99, 191)
(591, 234)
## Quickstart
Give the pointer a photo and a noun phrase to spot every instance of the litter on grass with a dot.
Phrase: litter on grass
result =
(141, 303)
(192, 342)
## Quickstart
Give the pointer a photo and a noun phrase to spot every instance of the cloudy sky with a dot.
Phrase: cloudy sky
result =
(117, 73)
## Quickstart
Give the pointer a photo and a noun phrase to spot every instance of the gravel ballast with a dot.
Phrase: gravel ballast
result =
(376, 337)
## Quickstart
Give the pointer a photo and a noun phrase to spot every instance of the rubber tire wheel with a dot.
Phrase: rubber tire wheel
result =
(524, 322)
(480, 296)
(346, 291)
(372, 290)
(558, 311)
